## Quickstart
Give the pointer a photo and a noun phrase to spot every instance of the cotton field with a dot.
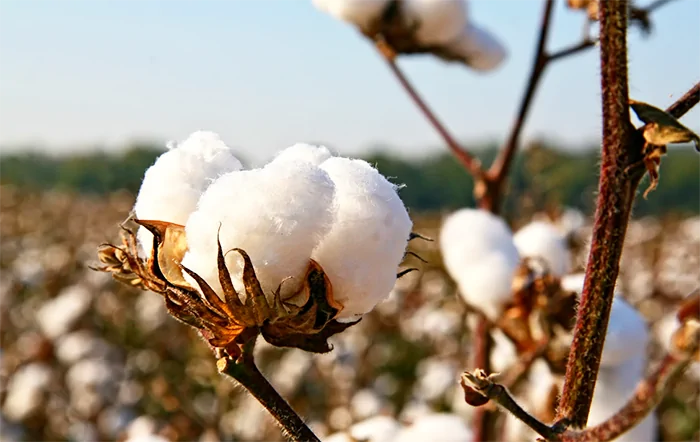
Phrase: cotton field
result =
(85, 358)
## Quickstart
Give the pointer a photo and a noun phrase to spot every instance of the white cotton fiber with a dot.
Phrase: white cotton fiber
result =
(304, 152)
(172, 186)
(277, 214)
(543, 240)
(444, 427)
(627, 336)
(479, 253)
(376, 429)
(439, 21)
(362, 252)
(478, 48)
(360, 13)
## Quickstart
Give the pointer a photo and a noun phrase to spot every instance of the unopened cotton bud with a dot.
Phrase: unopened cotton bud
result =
(477, 48)
(360, 13)
(172, 186)
(364, 247)
(277, 214)
(544, 241)
(479, 253)
(438, 21)
(304, 152)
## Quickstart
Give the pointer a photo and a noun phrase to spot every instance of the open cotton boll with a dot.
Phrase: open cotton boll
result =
(444, 427)
(478, 48)
(542, 240)
(304, 152)
(439, 21)
(362, 252)
(360, 13)
(276, 214)
(478, 251)
(172, 186)
(627, 335)
(376, 429)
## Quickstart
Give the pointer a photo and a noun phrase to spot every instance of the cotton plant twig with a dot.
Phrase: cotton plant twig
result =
(249, 376)
(646, 397)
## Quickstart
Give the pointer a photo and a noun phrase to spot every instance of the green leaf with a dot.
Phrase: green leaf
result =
(661, 127)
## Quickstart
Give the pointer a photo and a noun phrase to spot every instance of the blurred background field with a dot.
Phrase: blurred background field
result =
(85, 358)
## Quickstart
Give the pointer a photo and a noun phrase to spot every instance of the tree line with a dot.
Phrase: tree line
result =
(542, 176)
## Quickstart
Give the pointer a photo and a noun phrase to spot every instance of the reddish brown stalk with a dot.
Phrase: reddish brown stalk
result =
(616, 191)
(484, 418)
(471, 163)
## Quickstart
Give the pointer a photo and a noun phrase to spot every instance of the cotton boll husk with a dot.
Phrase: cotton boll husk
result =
(276, 214)
(479, 253)
(376, 429)
(444, 427)
(478, 48)
(304, 152)
(360, 13)
(362, 252)
(439, 21)
(172, 186)
(542, 240)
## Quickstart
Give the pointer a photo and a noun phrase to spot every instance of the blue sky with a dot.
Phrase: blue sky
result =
(266, 74)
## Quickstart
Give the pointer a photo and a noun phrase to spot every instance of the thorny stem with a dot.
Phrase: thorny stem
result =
(467, 160)
(247, 374)
(616, 192)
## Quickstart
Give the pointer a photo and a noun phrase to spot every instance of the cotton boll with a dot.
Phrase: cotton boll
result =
(504, 353)
(573, 282)
(362, 252)
(439, 21)
(172, 186)
(376, 429)
(544, 241)
(478, 48)
(360, 13)
(304, 152)
(276, 214)
(444, 427)
(627, 335)
(479, 253)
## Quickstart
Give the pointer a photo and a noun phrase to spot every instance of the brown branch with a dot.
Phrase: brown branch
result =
(498, 171)
(247, 374)
(646, 397)
(484, 418)
(575, 49)
(616, 192)
(471, 163)
(686, 102)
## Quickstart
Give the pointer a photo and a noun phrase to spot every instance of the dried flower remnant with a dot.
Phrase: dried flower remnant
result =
(284, 224)
(661, 128)
(437, 27)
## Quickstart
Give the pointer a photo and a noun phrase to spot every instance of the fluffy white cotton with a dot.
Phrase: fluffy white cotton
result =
(304, 152)
(360, 13)
(362, 252)
(478, 48)
(25, 390)
(479, 253)
(628, 332)
(376, 429)
(57, 316)
(173, 184)
(439, 21)
(444, 427)
(276, 214)
(544, 241)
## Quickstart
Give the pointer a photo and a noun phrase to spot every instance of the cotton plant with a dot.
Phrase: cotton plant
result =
(542, 241)
(438, 27)
(296, 251)
(480, 255)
